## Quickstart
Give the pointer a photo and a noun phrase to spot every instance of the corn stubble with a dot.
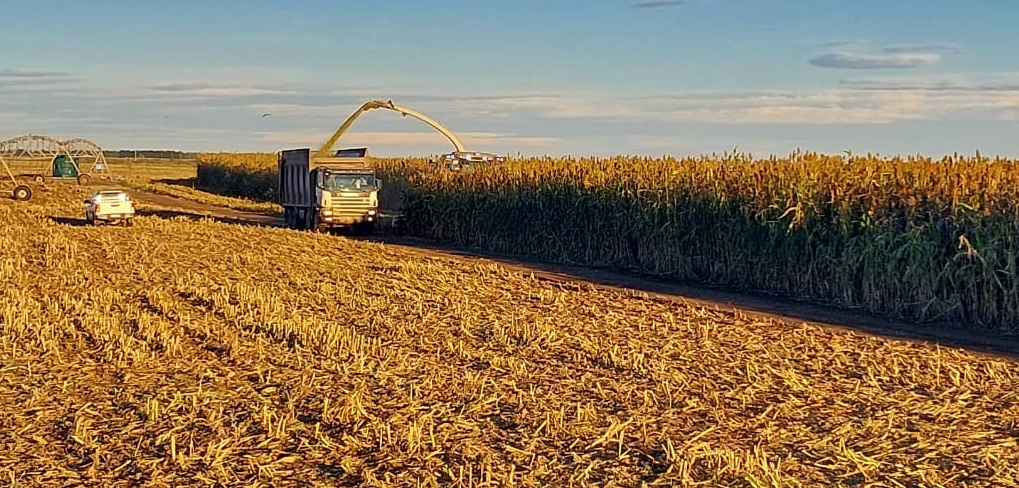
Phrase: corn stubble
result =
(182, 352)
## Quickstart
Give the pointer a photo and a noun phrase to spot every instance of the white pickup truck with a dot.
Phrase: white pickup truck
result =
(109, 206)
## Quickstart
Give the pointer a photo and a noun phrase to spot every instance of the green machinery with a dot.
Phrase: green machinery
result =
(63, 160)
(63, 166)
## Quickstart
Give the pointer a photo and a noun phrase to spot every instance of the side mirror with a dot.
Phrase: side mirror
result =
(378, 184)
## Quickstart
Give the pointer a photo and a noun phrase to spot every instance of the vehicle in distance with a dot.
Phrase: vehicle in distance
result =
(109, 206)
(326, 193)
(457, 160)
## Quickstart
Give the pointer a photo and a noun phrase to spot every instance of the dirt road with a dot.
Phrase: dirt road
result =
(781, 310)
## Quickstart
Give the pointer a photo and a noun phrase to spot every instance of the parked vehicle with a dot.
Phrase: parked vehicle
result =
(109, 206)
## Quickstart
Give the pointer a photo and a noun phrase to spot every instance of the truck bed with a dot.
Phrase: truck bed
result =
(295, 188)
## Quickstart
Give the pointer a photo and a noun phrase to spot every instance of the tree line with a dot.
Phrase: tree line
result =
(149, 154)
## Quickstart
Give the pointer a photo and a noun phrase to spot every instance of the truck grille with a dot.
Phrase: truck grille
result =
(349, 209)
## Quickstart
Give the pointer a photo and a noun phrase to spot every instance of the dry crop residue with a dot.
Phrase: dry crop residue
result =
(179, 352)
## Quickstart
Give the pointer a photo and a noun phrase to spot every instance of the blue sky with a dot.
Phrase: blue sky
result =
(582, 77)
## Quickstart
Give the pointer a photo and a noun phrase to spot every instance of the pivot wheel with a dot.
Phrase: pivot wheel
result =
(39, 179)
(22, 193)
(84, 179)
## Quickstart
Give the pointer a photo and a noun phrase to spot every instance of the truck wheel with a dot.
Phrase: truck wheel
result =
(84, 179)
(364, 228)
(398, 227)
(22, 193)
(293, 219)
(308, 222)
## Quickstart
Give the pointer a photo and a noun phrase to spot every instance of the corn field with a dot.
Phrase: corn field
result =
(176, 353)
(245, 175)
(913, 238)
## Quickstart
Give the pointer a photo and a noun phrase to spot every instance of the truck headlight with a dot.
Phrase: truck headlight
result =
(327, 212)
(371, 212)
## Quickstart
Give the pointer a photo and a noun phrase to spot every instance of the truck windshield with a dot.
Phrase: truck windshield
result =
(348, 182)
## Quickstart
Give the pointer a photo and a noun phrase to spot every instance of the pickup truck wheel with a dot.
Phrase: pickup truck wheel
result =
(22, 193)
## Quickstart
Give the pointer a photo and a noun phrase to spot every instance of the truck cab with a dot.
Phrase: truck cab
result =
(325, 193)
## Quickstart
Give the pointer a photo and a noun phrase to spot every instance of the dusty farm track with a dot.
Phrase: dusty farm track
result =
(756, 306)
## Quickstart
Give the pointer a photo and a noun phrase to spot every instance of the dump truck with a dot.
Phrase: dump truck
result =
(323, 193)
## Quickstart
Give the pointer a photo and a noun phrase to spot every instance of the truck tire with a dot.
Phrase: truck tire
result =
(293, 216)
(316, 224)
(364, 228)
(22, 193)
(309, 220)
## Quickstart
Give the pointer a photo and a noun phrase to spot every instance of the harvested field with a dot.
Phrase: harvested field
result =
(180, 353)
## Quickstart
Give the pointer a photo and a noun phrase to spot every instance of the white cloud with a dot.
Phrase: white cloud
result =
(6, 116)
(922, 48)
(844, 43)
(224, 114)
(20, 80)
(830, 106)
(470, 139)
(847, 60)
(862, 101)
(956, 84)
(215, 90)
(302, 110)
(895, 56)
(652, 4)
